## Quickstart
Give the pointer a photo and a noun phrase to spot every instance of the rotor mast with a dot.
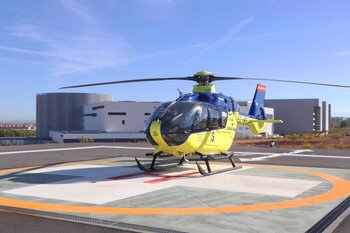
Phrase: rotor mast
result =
(204, 79)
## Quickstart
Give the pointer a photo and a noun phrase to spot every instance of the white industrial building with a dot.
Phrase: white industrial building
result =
(129, 116)
(110, 121)
(124, 121)
(99, 118)
(244, 131)
(121, 116)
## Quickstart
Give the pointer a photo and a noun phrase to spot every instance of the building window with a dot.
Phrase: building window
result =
(117, 113)
(317, 118)
(90, 114)
(98, 107)
(123, 122)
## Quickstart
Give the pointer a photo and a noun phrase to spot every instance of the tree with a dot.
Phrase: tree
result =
(343, 124)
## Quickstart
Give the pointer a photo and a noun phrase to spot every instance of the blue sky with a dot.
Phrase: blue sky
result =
(46, 44)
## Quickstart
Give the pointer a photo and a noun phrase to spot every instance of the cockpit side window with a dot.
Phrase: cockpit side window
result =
(223, 119)
(200, 121)
(217, 118)
(214, 118)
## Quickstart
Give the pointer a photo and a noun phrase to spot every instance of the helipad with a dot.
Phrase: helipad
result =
(251, 199)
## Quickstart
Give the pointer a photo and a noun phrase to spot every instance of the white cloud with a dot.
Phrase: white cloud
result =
(66, 53)
(225, 38)
(79, 9)
(156, 4)
(344, 53)
(27, 31)
(338, 26)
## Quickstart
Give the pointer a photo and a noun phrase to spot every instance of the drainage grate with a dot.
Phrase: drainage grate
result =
(87, 220)
(327, 220)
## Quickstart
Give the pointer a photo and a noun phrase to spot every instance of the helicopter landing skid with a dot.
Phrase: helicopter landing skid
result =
(184, 159)
(152, 167)
(209, 171)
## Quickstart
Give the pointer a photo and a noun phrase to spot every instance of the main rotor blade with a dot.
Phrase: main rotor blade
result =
(215, 78)
(189, 78)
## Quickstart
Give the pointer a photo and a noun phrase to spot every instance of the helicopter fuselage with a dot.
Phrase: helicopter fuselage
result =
(198, 123)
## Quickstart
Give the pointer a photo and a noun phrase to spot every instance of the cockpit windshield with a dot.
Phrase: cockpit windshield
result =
(188, 116)
(156, 114)
(191, 117)
(185, 116)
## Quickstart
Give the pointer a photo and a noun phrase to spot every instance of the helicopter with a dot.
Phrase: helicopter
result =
(201, 126)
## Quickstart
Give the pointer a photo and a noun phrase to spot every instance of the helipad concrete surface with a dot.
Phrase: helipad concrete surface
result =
(256, 198)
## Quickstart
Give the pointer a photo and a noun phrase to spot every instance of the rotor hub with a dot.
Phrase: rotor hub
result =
(204, 77)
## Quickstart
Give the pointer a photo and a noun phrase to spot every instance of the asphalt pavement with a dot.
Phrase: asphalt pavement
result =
(48, 154)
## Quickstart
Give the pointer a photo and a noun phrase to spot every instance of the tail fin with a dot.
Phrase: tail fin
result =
(256, 119)
(257, 110)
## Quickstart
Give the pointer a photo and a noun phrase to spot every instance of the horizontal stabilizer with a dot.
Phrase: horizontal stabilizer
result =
(266, 121)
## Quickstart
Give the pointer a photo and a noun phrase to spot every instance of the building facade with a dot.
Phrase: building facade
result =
(121, 116)
(129, 116)
(300, 115)
(244, 131)
(73, 116)
(63, 111)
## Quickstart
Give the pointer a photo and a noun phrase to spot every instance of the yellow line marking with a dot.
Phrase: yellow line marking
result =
(341, 188)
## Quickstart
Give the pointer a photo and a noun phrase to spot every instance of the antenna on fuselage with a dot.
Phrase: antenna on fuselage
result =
(180, 92)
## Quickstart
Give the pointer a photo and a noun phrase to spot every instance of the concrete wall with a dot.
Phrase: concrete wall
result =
(61, 137)
(63, 111)
(123, 116)
(300, 115)
(244, 131)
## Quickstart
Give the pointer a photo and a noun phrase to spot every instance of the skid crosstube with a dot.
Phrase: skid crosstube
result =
(205, 158)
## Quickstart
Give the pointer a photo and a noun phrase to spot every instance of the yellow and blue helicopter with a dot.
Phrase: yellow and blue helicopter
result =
(202, 124)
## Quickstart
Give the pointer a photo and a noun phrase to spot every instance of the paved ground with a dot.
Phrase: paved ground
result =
(254, 185)
(344, 225)
(17, 156)
(13, 223)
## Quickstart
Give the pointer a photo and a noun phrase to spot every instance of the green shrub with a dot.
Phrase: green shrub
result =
(342, 145)
(292, 136)
(86, 140)
(307, 145)
(17, 133)
(307, 136)
(337, 135)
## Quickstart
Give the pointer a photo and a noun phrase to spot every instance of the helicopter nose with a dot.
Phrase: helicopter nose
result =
(175, 139)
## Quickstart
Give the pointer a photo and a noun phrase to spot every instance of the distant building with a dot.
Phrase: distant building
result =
(68, 117)
(301, 115)
(244, 130)
(110, 121)
(63, 111)
(18, 126)
(121, 116)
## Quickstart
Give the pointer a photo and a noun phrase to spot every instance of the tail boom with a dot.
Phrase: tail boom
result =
(256, 118)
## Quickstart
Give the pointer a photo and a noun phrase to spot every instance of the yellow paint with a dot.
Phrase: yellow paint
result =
(208, 142)
(207, 89)
(256, 126)
(157, 136)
